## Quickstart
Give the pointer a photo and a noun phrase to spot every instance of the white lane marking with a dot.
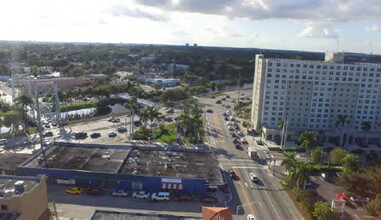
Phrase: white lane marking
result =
(271, 203)
(247, 167)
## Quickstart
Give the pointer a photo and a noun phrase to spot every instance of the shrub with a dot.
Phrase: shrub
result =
(288, 149)
(259, 142)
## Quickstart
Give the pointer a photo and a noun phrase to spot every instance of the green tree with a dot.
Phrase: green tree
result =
(156, 86)
(374, 207)
(337, 155)
(290, 161)
(366, 126)
(322, 211)
(351, 163)
(24, 100)
(317, 156)
(298, 173)
(280, 124)
(342, 121)
(144, 117)
(308, 140)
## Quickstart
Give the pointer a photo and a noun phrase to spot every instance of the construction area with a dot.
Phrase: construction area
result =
(184, 164)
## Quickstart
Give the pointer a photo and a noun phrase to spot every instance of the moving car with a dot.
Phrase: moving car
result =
(95, 135)
(112, 134)
(121, 193)
(250, 217)
(94, 192)
(210, 200)
(74, 190)
(253, 177)
(232, 174)
(140, 195)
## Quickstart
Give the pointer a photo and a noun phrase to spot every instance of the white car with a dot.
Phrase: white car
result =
(141, 195)
(253, 177)
(244, 141)
(250, 217)
(119, 193)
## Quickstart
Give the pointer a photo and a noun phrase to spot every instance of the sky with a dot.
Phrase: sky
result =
(311, 25)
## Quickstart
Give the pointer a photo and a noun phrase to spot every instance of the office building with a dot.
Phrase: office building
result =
(312, 94)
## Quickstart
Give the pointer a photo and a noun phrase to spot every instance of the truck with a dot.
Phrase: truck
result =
(253, 154)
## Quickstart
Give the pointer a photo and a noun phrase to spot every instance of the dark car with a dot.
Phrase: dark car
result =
(94, 192)
(80, 135)
(209, 111)
(210, 200)
(184, 198)
(218, 102)
(47, 134)
(235, 140)
(232, 174)
(95, 135)
(238, 147)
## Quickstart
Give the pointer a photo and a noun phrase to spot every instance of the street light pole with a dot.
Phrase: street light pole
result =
(241, 206)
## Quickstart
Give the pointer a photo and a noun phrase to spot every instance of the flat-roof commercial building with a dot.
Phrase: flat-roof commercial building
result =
(128, 168)
(113, 215)
(163, 82)
(312, 94)
(23, 198)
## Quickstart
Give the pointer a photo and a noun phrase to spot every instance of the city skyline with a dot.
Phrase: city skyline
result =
(331, 25)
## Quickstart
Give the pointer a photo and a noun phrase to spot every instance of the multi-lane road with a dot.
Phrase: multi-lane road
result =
(265, 199)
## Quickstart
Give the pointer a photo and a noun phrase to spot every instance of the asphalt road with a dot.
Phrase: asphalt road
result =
(265, 199)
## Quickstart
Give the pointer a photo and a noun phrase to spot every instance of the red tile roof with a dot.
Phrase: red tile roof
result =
(216, 213)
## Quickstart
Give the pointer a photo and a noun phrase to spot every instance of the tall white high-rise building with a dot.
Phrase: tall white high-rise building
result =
(312, 94)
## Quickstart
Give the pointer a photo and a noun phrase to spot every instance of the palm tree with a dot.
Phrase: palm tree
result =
(143, 117)
(153, 113)
(290, 161)
(341, 121)
(308, 140)
(299, 173)
(366, 126)
(24, 100)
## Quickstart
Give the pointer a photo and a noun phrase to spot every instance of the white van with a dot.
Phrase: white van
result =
(3, 141)
(160, 196)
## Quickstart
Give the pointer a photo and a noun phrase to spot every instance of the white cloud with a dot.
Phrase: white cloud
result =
(318, 30)
(372, 28)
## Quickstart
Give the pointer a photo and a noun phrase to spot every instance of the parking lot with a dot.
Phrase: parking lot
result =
(67, 205)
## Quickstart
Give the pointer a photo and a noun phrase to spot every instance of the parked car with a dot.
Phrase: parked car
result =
(120, 193)
(218, 102)
(209, 111)
(244, 141)
(358, 151)
(235, 140)
(47, 134)
(94, 192)
(80, 135)
(238, 147)
(74, 190)
(140, 195)
(112, 134)
(232, 174)
(95, 135)
(240, 133)
(160, 196)
(169, 111)
(342, 197)
(121, 129)
(359, 199)
(253, 177)
(184, 198)
(250, 217)
(153, 124)
(209, 200)
(228, 96)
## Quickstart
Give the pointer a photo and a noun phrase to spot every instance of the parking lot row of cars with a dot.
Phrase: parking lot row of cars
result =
(156, 196)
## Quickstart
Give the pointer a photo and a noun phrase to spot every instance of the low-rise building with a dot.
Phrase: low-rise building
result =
(23, 198)
(150, 169)
(163, 82)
